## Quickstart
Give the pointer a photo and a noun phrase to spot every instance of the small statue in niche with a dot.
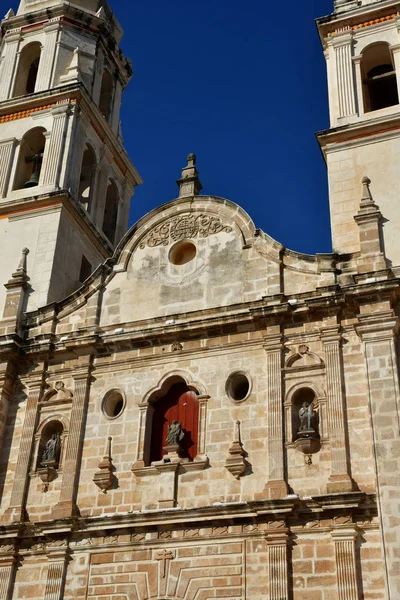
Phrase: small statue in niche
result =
(175, 434)
(51, 454)
(307, 418)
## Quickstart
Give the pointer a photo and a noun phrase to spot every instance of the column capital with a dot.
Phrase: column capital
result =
(342, 38)
(345, 533)
(273, 342)
(331, 334)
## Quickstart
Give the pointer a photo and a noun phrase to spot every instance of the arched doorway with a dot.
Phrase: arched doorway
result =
(179, 404)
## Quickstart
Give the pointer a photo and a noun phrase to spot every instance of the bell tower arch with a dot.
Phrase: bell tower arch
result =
(62, 76)
(361, 42)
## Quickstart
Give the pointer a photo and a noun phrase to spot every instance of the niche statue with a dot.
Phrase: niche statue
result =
(307, 415)
(175, 434)
(51, 454)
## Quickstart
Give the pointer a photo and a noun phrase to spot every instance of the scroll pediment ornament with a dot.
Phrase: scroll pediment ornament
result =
(184, 227)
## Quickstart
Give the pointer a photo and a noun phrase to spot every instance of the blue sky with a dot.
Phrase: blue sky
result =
(243, 85)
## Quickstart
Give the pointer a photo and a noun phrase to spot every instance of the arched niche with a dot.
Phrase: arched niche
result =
(30, 159)
(28, 67)
(111, 211)
(55, 425)
(379, 77)
(106, 95)
(177, 397)
(311, 392)
(87, 177)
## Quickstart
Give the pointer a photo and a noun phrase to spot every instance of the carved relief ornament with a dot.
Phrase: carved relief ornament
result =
(186, 226)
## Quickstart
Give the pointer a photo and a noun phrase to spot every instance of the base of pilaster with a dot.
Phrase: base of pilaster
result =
(64, 510)
(274, 490)
(340, 483)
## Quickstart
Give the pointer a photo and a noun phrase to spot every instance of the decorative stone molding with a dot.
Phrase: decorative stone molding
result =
(185, 226)
(236, 463)
(104, 478)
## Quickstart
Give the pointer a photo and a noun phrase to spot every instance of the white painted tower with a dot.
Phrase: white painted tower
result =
(65, 179)
(361, 41)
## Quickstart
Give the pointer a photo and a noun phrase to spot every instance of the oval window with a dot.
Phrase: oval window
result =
(238, 386)
(182, 253)
(113, 404)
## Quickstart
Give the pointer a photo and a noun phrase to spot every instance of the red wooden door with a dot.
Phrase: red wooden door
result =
(179, 404)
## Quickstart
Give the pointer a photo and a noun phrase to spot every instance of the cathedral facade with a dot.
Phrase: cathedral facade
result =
(189, 410)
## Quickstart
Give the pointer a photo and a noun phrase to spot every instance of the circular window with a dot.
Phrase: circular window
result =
(182, 253)
(238, 386)
(113, 404)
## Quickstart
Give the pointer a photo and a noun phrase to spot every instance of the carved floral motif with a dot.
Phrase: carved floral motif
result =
(187, 226)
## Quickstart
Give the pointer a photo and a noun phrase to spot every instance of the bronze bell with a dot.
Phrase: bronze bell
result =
(37, 166)
(33, 181)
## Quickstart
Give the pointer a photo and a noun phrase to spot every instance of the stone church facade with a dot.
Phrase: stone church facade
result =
(189, 410)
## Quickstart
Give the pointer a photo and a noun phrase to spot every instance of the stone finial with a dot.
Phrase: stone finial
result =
(101, 14)
(74, 70)
(236, 462)
(189, 184)
(368, 219)
(104, 478)
(366, 199)
(10, 13)
(16, 288)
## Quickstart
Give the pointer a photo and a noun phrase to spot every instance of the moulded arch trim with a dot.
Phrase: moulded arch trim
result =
(375, 43)
(316, 387)
(169, 379)
(50, 419)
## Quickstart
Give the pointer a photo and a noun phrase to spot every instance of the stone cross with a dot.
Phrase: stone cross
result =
(164, 556)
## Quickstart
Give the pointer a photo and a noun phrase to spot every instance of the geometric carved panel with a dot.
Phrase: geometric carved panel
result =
(192, 572)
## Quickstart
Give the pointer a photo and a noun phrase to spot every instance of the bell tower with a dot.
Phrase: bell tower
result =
(361, 42)
(65, 178)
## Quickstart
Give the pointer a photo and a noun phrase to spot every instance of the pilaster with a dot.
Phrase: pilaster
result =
(57, 561)
(340, 480)
(54, 151)
(16, 511)
(396, 59)
(101, 190)
(47, 59)
(7, 150)
(67, 504)
(277, 541)
(345, 74)
(116, 107)
(8, 565)
(359, 84)
(276, 486)
(12, 42)
(381, 359)
(123, 211)
(346, 565)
